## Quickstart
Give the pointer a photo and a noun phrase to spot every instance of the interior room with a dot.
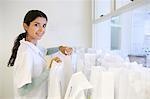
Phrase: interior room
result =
(120, 27)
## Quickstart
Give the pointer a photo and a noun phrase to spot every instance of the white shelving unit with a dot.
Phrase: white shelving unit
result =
(116, 10)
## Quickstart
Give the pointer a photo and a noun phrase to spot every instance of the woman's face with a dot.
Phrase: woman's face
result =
(36, 29)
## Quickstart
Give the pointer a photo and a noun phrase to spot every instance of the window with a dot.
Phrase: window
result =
(115, 33)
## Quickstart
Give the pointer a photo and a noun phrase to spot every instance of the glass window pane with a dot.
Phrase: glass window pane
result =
(115, 33)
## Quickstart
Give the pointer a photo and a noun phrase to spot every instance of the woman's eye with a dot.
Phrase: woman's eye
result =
(36, 25)
(44, 25)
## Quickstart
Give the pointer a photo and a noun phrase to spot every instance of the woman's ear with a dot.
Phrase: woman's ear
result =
(25, 26)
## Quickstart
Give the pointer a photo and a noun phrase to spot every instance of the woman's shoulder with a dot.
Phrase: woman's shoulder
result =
(24, 48)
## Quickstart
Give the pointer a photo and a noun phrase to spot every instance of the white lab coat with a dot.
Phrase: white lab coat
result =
(29, 63)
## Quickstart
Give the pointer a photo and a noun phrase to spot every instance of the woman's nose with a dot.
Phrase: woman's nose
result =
(41, 30)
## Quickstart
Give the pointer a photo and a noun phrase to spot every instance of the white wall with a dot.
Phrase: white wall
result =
(69, 24)
(6, 38)
(0, 50)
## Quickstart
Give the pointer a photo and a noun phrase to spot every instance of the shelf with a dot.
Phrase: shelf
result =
(126, 8)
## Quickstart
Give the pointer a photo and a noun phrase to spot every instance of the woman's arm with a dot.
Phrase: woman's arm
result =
(52, 50)
(64, 49)
(36, 82)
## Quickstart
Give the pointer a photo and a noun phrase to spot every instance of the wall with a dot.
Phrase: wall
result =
(69, 24)
(0, 50)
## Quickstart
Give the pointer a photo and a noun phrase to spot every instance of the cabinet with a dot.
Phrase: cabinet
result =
(121, 3)
(105, 9)
(102, 7)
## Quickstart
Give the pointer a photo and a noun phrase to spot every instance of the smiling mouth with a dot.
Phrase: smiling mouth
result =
(39, 34)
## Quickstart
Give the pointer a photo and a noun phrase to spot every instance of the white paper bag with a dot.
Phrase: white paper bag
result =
(76, 87)
(67, 70)
(103, 84)
(55, 81)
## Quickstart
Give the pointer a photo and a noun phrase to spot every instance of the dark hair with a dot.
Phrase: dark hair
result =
(32, 15)
(29, 17)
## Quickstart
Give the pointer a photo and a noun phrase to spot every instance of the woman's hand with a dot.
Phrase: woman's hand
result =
(66, 50)
(56, 59)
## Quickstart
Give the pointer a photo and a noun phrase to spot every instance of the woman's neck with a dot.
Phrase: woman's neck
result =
(33, 41)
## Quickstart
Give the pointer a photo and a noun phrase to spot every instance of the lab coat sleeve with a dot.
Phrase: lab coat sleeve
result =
(23, 70)
(36, 82)
(52, 50)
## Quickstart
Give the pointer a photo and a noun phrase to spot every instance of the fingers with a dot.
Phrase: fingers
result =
(68, 50)
(57, 59)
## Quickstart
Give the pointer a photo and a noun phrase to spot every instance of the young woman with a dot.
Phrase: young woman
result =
(30, 66)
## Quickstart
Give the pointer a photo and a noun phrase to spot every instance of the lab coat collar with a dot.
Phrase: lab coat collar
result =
(34, 47)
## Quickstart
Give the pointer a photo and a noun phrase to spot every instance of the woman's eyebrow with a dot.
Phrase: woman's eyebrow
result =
(37, 22)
